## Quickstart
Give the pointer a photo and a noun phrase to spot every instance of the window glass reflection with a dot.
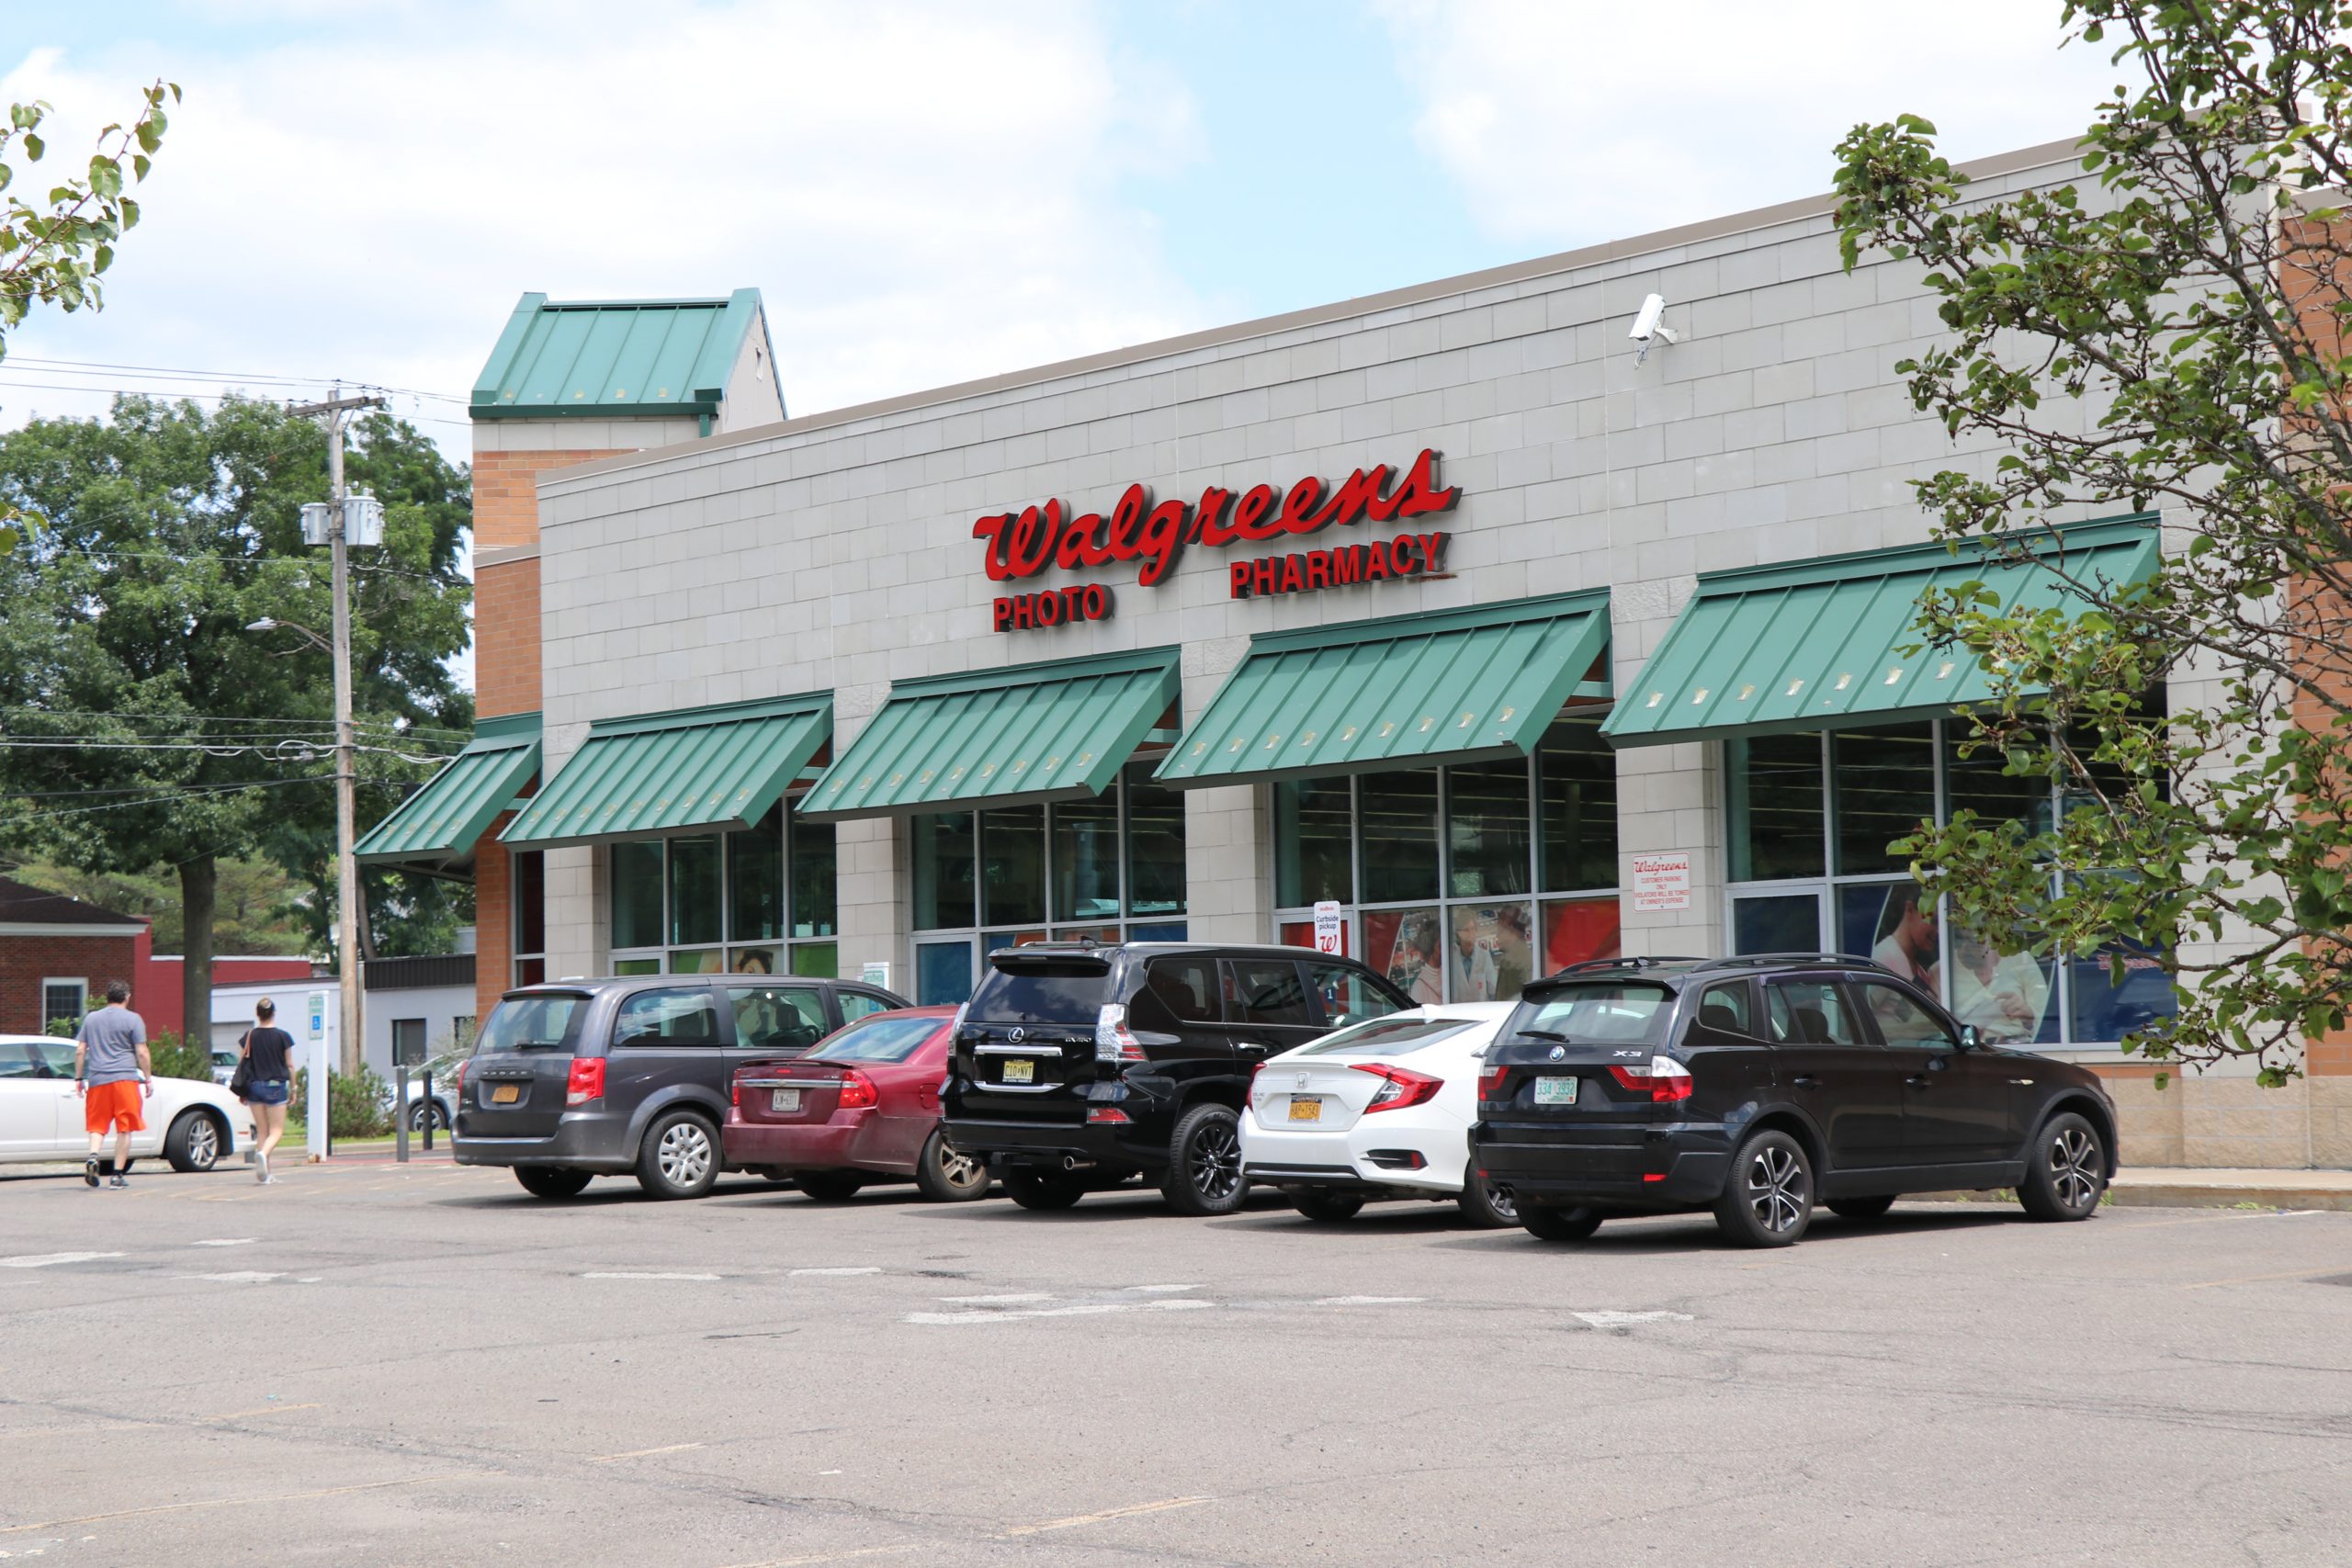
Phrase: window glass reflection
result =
(942, 872)
(1086, 859)
(1774, 786)
(1013, 867)
(1155, 847)
(1486, 828)
(814, 869)
(755, 880)
(1884, 783)
(1399, 825)
(1575, 772)
(1892, 924)
(1312, 842)
(693, 889)
(637, 894)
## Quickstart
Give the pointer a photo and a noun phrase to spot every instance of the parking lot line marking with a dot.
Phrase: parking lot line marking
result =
(832, 1273)
(2258, 1279)
(246, 1502)
(1013, 1300)
(833, 1556)
(1076, 1519)
(1366, 1301)
(1610, 1319)
(240, 1277)
(265, 1410)
(641, 1453)
(227, 1241)
(644, 1274)
(50, 1260)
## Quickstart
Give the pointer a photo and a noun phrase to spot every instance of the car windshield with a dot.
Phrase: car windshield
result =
(1388, 1037)
(528, 1023)
(1606, 1013)
(1071, 992)
(885, 1037)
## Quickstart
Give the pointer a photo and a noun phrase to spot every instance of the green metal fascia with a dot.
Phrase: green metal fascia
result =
(601, 359)
(441, 823)
(506, 726)
(648, 774)
(1803, 645)
(1406, 691)
(1057, 730)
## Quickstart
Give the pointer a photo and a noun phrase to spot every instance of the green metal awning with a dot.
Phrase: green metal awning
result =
(715, 767)
(435, 830)
(1808, 644)
(1053, 731)
(1400, 693)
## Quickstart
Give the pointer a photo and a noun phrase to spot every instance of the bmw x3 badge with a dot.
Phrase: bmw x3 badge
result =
(1559, 1053)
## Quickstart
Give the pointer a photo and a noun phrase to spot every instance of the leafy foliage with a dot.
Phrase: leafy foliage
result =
(2167, 332)
(173, 1057)
(257, 911)
(359, 1105)
(53, 251)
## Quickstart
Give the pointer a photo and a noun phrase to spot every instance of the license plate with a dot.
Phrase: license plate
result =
(1555, 1090)
(1019, 1071)
(785, 1100)
(1305, 1107)
(506, 1093)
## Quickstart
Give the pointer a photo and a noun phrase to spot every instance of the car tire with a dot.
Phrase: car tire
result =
(193, 1143)
(1547, 1223)
(945, 1177)
(1860, 1208)
(829, 1186)
(1489, 1205)
(1204, 1176)
(1326, 1207)
(425, 1112)
(679, 1158)
(2065, 1174)
(1045, 1192)
(1767, 1199)
(552, 1181)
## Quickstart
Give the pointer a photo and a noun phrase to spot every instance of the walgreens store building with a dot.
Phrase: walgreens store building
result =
(1448, 618)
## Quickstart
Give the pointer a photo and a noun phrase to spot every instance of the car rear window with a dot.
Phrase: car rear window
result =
(1041, 992)
(529, 1023)
(1388, 1036)
(885, 1037)
(1605, 1012)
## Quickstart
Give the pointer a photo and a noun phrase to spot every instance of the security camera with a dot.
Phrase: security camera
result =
(1650, 324)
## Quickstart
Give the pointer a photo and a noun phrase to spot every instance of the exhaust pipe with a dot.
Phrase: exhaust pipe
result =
(1071, 1162)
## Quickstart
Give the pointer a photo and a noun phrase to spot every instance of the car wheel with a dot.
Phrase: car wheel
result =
(1488, 1204)
(1042, 1191)
(193, 1143)
(552, 1181)
(679, 1158)
(944, 1176)
(2067, 1174)
(1204, 1163)
(1769, 1201)
(1325, 1206)
(425, 1113)
(1546, 1224)
(829, 1186)
(1860, 1208)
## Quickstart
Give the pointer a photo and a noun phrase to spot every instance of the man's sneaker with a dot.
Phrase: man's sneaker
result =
(90, 1171)
(116, 1182)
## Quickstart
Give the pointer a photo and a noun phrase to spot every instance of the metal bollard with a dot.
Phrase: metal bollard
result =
(426, 1099)
(399, 1112)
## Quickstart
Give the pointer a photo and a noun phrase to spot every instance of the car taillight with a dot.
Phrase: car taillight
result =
(457, 1081)
(1490, 1082)
(1665, 1079)
(1106, 1116)
(586, 1081)
(735, 1094)
(1114, 1041)
(857, 1090)
(1404, 1087)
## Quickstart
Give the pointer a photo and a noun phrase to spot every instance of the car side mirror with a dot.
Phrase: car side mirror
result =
(1969, 1039)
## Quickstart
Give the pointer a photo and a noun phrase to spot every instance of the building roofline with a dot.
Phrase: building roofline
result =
(2044, 155)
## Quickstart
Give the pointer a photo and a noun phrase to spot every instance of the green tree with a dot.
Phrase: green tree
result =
(2164, 332)
(145, 724)
(255, 906)
(55, 250)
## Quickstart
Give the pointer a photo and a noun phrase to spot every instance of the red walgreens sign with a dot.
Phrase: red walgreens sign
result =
(1028, 543)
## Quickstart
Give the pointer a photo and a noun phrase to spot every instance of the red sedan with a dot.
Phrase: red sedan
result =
(863, 1103)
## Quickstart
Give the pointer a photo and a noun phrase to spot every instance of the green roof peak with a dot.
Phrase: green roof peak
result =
(629, 358)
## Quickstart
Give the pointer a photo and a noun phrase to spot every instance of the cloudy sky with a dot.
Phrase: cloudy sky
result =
(930, 192)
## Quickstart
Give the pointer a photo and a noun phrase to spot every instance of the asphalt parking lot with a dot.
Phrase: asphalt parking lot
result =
(378, 1365)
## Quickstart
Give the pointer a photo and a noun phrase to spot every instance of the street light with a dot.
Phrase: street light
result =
(269, 624)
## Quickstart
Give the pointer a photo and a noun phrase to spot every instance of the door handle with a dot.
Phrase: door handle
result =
(1250, 1045)
(1916, 1080)
(1805, 1080)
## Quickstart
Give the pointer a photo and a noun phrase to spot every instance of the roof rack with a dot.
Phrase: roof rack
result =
(1636, 963)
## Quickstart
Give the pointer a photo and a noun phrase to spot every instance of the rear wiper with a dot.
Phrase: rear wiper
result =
(1542, 1034)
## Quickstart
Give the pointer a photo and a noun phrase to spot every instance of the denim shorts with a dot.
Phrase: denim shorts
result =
(265, 1091)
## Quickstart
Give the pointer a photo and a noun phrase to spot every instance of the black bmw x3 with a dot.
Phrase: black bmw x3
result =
(1758, 1087)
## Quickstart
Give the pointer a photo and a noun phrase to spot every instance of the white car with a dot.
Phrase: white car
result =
(194, 1125)
(1378, 1110)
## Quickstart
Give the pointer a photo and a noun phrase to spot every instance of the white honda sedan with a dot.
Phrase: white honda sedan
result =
(194, 1125)
(1377, 1110)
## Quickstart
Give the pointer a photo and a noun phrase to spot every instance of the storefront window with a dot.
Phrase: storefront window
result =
(674, 901)
(1431, 918)
(1072, 870)
(1799, 803)
(529, 881)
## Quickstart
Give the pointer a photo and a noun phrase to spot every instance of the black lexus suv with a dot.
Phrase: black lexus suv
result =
(1080, 1065)
(1758, 1087)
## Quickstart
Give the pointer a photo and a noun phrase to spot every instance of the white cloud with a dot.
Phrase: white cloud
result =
(922, 193)
(1571, 121)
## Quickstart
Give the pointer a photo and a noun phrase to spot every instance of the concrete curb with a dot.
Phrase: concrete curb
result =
(2190, 1193)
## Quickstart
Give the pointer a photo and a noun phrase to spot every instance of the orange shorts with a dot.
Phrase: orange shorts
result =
(114, 1106)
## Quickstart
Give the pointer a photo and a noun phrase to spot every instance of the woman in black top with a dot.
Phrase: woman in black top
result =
(267, 1051)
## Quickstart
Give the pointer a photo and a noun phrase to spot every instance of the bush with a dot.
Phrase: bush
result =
(175, 1059)
(356, 1107)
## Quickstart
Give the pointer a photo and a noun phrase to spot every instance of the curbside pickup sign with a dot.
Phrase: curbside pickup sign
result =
(1662, 881)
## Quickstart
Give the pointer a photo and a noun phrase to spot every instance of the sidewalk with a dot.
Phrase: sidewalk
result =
(2179, 1187)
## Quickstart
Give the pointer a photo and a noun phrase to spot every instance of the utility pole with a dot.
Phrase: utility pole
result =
(346, 759)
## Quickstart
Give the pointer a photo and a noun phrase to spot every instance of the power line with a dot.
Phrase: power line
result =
(91, 555)
(183, 793)
(229, 718)
(32, 361)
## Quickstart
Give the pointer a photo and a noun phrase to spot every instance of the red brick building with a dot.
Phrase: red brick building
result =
(57, 954)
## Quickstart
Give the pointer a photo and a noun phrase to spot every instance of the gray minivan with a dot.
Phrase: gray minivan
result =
(579, 1078)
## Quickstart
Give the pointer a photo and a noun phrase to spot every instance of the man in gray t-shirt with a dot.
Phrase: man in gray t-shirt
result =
(113, 1073)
